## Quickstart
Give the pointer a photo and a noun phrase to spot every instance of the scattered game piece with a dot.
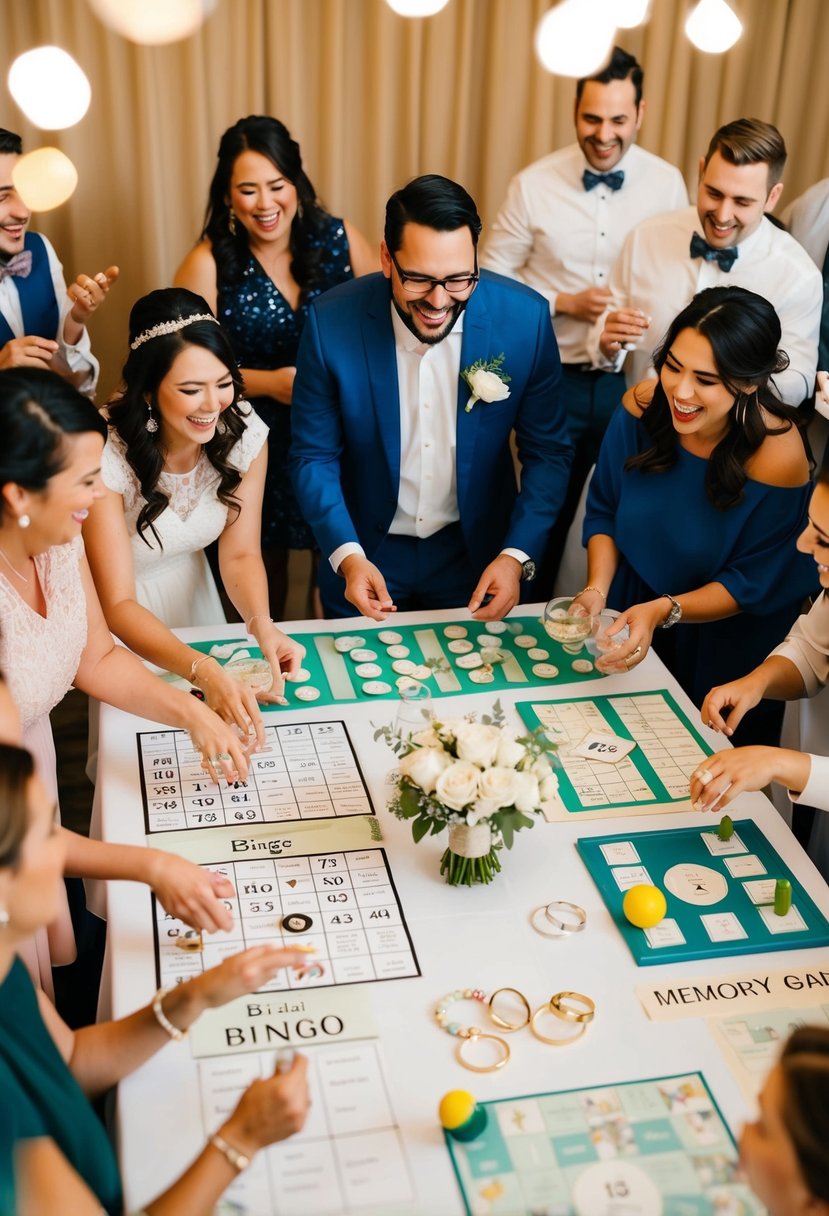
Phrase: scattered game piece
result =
(297, 922)
(191, 941)
(360, 655)
(307, 693)
(461, 1116)
(422, 672)
(368, 671)
(782, 897)
(348, 642)
(467, 661)
(455, 631)
(219, 651)
(526, 641)
(726, 828)
(389, 638)
(255, 673)
(498, 627)
(300, 676)
(405, 682)
(644, 906)
(376, 688)
(537, 654)
(398, 652)
(461, 646)
(403, 667)
(572, 647)
(545, 671)
(482, 675)
(582, 666)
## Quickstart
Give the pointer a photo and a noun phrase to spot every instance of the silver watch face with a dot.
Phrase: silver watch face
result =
(673, 616)
(528, 571)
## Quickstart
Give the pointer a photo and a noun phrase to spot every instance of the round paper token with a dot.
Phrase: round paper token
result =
(582, 666)
(526, 641)
(537, 654)
(487, 641)
(363, 656)
(461, 646)
(573, 647)
(482, 676)
(368, 671)
(299, 677)
(455, 631)
(376, 688)
(468, 661)
(307, 693)
(347, 642)
(296, 922)
(497, 627)
(398, 652)
(491, 654)
(545, 671)
(389, 638)
(405, 682)
(422, 672)
(403, 667)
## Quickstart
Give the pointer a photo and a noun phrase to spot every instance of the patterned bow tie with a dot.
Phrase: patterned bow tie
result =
(613, 180)
(725, 257)
(20, 266)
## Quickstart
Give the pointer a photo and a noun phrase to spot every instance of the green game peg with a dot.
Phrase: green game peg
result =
(782, 896)
(726, 829)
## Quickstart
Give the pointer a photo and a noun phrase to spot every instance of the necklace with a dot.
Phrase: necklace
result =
(16, 573)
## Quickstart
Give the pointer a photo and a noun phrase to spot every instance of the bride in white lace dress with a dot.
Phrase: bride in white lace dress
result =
(185, 464)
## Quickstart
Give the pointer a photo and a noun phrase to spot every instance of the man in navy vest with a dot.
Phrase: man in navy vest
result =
(42, 322)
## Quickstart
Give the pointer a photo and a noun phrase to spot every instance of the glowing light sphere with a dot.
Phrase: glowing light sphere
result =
(153, 22)
(713, 27)
(416, 8)
(629, 13)
(44, 178)
(50, 88)
(575, 38)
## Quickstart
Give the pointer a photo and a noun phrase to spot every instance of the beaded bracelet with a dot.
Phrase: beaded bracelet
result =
(468, 1034)
(161, 1017)
(591, 588)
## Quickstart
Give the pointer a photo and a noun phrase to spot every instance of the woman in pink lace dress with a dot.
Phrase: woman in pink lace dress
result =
(53, 633)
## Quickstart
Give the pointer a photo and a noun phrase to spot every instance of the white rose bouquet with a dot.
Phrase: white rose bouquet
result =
(479, 780)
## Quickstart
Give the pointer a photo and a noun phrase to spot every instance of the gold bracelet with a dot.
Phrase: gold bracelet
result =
(573, 1007)
(591, 588)
(256, 617)
(502, 1022)
(239, 1161)
(162, 1019)
(195, 667)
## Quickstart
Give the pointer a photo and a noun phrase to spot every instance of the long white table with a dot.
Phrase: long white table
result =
(477, 937)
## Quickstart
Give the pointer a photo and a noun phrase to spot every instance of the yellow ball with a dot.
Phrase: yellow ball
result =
(644, 906)
(455, 1108)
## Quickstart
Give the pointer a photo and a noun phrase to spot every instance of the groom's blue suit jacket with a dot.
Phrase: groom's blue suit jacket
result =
(345, 420)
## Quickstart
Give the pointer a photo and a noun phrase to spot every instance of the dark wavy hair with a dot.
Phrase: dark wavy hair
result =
(16, 769)
(271, 139)
(433, 201)
(38, 409)
(805, 1067)
(142, 374)
(744, 332)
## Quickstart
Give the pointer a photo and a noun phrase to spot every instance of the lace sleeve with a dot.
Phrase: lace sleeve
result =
(250, 443)
(115, 472)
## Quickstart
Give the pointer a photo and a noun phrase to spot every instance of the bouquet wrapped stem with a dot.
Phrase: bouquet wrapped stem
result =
(472, 855)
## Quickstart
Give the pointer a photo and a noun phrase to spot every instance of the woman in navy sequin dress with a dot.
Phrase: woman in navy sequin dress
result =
(267, 250)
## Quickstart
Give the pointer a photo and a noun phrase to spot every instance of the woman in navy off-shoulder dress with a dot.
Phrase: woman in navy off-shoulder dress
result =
(696, 502)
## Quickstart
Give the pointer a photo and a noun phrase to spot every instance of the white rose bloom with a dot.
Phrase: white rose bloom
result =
(549, 788)
(510, 752)
(527, 792)
(542, 768)
(476, 743)
(427, 738)
(482, 809)
(457, 785)
(487, 386)
(423, 766)
(498, 785)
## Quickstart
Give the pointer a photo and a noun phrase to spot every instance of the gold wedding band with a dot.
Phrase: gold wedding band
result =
(501, 1022)
(473, 1035)
(565, 1005)
(558, 1041)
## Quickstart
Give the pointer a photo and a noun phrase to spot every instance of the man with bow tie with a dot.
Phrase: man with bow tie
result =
(560, 230)
(42, 322)
(726, 238)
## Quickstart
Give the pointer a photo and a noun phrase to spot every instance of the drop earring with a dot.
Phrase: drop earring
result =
(151, 424)
(24, 520)
(231, 222)
(4, 919)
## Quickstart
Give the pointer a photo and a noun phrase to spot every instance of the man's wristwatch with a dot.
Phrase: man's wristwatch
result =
(528, 571)
(674, 613)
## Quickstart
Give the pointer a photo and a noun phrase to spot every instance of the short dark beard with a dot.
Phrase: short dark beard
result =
(457, 309)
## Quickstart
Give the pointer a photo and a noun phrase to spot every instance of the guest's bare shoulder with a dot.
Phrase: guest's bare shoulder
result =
(637, 398)
(781, 459)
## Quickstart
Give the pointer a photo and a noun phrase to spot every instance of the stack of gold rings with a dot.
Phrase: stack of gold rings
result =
(558, 918)
(571, 1007)
(633, 655)
(470, 1034)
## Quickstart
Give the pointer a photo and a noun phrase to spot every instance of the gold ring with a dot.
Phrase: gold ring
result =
(557, 1042)
(502, 1023)
(472, 1036)
(542, 923)
(571, 1012)
(565, 908)
(626, 660)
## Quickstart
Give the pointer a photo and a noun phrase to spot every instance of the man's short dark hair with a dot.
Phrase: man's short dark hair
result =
(9, 142)
(620, 66)
(750, 141)
(433, 201)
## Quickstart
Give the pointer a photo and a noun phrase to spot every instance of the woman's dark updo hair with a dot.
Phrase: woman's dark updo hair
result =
(16, 770)
(805, 1067)
(142, 374)
(38, 409)
(744, 332)
(271, 139)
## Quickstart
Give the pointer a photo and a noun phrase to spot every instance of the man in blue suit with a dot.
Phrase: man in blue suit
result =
(403, 470)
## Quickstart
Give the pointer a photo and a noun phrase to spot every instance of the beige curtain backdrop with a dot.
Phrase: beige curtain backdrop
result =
(375, 99)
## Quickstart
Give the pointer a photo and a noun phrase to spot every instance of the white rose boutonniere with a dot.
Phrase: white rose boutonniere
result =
(487, 380)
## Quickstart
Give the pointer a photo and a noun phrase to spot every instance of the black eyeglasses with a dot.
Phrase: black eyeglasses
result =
(419, 285)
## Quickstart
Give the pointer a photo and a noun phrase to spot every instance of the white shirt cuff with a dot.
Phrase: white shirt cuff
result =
(816, 790)
(518, 554)
(342, 552)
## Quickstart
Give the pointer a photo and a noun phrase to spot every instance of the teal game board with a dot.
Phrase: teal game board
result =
(451, 658)
(636, 1149)
(720, 894)
(655, 774)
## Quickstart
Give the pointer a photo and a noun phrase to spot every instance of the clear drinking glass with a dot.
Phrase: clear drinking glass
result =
(414, 710)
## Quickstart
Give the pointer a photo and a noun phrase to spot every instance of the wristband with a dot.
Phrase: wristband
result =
(162, 1019)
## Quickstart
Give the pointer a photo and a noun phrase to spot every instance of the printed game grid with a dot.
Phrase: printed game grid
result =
(309, 771)
(357, 926)
(670, 749)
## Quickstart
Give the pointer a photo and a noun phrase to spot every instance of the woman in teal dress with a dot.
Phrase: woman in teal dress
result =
(268, 249)
(62, 1159)
(698, 496)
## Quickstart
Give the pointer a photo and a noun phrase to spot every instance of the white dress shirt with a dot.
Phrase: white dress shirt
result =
(556, 236)
(656, 273)
(807, 219)
(75, 359)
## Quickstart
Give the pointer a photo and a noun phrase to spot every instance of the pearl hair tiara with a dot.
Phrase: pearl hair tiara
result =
(170, 327)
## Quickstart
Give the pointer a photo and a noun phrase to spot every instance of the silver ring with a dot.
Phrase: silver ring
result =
(704, 776)
(565, 908)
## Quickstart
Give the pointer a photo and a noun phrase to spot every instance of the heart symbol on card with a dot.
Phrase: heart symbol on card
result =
(291, 882)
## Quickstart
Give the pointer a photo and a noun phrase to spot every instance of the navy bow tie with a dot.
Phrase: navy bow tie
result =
(612, 180)
(20, 266)
(725, 257)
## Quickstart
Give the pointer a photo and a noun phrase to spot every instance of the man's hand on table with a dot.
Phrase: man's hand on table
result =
(501, 582)
(365, 587)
